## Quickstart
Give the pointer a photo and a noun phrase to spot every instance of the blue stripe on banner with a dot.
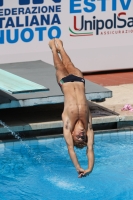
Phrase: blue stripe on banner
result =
(1, 2)
(24, 2)
(27, 2)
(38, 1)
(57, 1)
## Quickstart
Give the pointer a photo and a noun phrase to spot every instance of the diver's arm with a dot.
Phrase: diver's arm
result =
(69, 142)
(90, 151)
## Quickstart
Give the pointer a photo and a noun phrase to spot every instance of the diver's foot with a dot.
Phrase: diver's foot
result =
(58, 44)
(52, 45)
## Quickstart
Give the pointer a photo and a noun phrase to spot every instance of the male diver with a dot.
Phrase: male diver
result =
(76, 116)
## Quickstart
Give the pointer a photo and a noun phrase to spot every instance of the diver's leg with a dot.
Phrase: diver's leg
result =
(61, 71)
(66, 59)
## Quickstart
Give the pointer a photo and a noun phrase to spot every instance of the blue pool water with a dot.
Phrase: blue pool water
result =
(42, 170)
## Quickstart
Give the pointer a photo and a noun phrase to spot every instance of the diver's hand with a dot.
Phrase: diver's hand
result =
(83, 173)
(80, 172)
(86, 172)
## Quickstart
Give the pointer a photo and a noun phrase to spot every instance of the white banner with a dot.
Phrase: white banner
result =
(98, 35)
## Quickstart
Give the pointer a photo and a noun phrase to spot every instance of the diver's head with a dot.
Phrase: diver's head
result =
(79, 135)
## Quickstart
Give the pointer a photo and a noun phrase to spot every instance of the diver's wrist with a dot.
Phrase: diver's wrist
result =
(78, 167)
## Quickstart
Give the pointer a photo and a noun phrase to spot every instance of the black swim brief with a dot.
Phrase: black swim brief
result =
(71, 78)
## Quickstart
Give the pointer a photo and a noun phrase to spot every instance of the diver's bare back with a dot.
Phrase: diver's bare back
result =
(75, 105)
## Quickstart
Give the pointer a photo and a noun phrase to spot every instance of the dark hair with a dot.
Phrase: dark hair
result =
(80, 144)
